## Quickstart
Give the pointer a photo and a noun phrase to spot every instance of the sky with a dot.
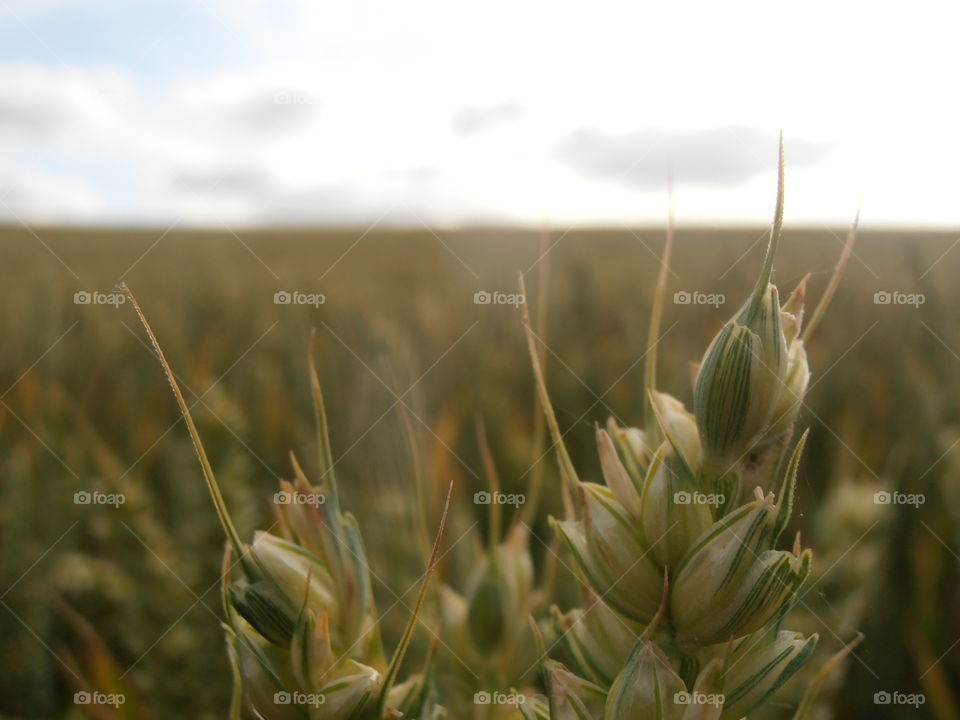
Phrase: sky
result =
(259, 112)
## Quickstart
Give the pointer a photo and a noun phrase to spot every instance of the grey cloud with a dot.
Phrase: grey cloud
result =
(268, 199)
(726, 155)
(471, 120)
(27, 196)
(26, 118)
(346, 205)
(12, 194)
(328, 204)
(277, 110)
(229, 181)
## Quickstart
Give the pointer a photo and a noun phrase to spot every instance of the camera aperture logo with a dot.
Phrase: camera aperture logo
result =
(483, 297)
(296, 297)
(699, 698)
(899, 698)
(85, 697)
(682, 497)
(498, 498)
(498, 698)
(95, 297)
(885, 297)
(685, 297)
(885, 497)
(282, 697)
(295, 497)
(85, 497)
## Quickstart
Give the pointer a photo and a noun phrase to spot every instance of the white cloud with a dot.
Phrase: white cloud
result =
(472, 119)
(50, 104)
(727, 155)
(25, 197)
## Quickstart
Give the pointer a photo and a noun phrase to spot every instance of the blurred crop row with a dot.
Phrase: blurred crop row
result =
(110, 551)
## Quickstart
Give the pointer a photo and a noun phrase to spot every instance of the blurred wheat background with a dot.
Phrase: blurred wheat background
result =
(408, 360)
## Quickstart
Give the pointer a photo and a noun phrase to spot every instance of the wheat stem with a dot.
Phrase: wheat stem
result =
(218, 502)
(767, 273)
(567, 469)
(827, 296)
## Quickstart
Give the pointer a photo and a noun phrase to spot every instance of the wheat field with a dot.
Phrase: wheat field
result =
(111, 549)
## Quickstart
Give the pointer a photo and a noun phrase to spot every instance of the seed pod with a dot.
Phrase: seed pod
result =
(499, 597)
(260, 666)
(331, 547)
(302, 679)
(673, 513)
(625, 486)
(791, 313)
(791, 399)
(759, 664)
(267, 610)
(597, 639)
(294, 572)
(487, 610)
(647, 687)
(353, 688)
(632, 447)
(302, 644)
(311, 649)
(731, 583)
(798, 371)
(609, 551)
(663, 502)
(487, 641)
(741, 378)
(707, 700)
(572, 697)
(679, 427)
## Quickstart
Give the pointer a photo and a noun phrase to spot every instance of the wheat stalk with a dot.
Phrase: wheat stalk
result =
(702, 588)
(302, 629)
